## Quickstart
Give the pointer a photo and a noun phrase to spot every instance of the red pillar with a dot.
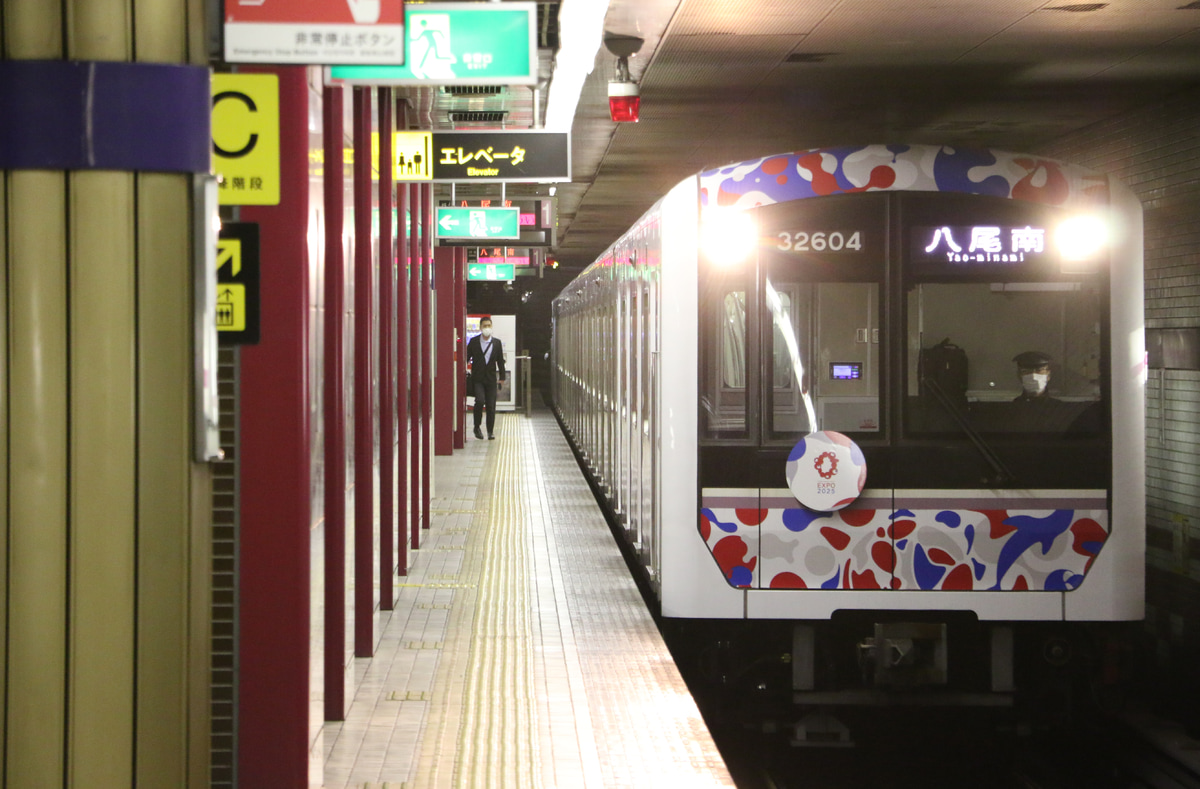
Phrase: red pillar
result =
(274, 477)
(403, 372)
(460, 351)
(426, 346)
(364, 382)
(444, 396)
(334, 413)
(387, 311)
(414, 361)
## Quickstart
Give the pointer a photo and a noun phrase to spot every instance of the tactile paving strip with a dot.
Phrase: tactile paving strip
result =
(549, 670)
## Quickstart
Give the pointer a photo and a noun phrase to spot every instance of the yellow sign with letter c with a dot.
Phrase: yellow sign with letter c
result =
(245, 132)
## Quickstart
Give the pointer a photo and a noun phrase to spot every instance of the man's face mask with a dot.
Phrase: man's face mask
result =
(1034, 383)
(486, 331)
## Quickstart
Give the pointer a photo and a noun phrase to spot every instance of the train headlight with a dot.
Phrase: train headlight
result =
(1081, 238)
(727, 237)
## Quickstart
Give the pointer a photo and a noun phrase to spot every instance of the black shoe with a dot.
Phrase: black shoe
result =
(478, 433)
(491, 437)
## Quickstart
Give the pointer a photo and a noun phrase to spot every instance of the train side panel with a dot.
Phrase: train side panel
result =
(1115, 587)
(692, 585)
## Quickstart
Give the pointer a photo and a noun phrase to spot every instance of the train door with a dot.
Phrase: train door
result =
(637, 346)
(646, 475)
(654, 522)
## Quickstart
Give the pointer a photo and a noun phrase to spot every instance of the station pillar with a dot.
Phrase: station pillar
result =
(105, 511)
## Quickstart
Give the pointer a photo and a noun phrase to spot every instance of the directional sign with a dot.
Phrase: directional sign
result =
(491, 271)
(478, 223)
(237, 284)
(458, 44)
(412, 155)
(245, 132)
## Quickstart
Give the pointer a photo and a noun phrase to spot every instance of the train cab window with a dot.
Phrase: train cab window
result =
(824, 358)
(725, 351)
(1004, 358)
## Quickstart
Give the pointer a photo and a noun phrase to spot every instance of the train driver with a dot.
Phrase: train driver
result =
(1033, 369)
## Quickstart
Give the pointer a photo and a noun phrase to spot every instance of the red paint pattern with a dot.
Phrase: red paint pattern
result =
(751, 517)
(837, 539)
(960, 578)
(705, 527)
(730, 552)
(938, 556)
(1021, 585)
(775, 165)
(996, 520)
(1055, 189)
(857, 517)
(901, 529)
(883, 555)
(863, 580)
(788, 581)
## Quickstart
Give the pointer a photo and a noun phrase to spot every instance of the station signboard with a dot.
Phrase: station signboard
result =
(245, 138)
(501, 156)
(315, 32)
(477, 224)
(457, 44)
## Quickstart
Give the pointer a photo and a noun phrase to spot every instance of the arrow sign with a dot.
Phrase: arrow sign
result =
(491, 272)
(478, 223)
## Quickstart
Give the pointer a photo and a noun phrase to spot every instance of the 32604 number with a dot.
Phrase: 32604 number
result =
(835, 241)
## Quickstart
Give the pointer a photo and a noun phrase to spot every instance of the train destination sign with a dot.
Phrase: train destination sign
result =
(969, 245)
(457, 44)
(481, 224)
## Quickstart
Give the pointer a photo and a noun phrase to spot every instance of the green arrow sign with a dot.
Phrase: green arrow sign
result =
(459, 44)
(480, 223)
(491, 271)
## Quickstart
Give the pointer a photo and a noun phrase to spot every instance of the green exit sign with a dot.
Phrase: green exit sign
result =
(458, 44)
(491, 271)
(478, 223)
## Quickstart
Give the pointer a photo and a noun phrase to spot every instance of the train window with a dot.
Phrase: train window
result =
(820, 330)
(725, 353)
(963, 343)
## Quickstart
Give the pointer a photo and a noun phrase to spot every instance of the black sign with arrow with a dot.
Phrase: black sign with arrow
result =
(237, 284)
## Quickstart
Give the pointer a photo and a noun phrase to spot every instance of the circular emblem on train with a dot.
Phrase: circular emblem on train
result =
(826, 471)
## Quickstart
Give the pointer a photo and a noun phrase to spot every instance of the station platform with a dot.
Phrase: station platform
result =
(520, 652)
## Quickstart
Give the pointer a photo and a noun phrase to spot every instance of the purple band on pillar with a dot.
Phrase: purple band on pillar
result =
(88, 115)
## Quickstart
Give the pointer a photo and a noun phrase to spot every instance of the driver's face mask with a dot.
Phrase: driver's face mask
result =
(486, 331)
(1034, 383)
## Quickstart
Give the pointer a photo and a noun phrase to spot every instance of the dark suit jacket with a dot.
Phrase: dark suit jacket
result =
(490, 371)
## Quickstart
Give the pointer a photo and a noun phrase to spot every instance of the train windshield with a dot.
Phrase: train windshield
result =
(1004, 357)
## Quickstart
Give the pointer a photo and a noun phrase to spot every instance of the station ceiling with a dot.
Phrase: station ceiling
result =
(727, 80)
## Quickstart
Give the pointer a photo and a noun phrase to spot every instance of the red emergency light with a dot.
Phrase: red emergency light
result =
(624, 102)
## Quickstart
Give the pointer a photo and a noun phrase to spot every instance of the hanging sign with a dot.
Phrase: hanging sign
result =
(498, 156)
(457, 44)
(314, 31)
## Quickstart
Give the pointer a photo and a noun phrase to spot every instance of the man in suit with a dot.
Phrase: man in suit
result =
(485, 355)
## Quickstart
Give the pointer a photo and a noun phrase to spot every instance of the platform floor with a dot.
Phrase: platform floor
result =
(520, 653)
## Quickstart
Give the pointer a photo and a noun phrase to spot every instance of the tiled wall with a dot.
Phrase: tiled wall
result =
(1156, 152)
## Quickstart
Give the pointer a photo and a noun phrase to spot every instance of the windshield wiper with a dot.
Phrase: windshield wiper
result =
(1003, 476)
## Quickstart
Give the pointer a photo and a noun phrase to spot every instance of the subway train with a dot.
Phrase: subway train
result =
(887, 403)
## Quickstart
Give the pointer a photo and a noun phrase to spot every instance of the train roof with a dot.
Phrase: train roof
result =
(820, 172)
